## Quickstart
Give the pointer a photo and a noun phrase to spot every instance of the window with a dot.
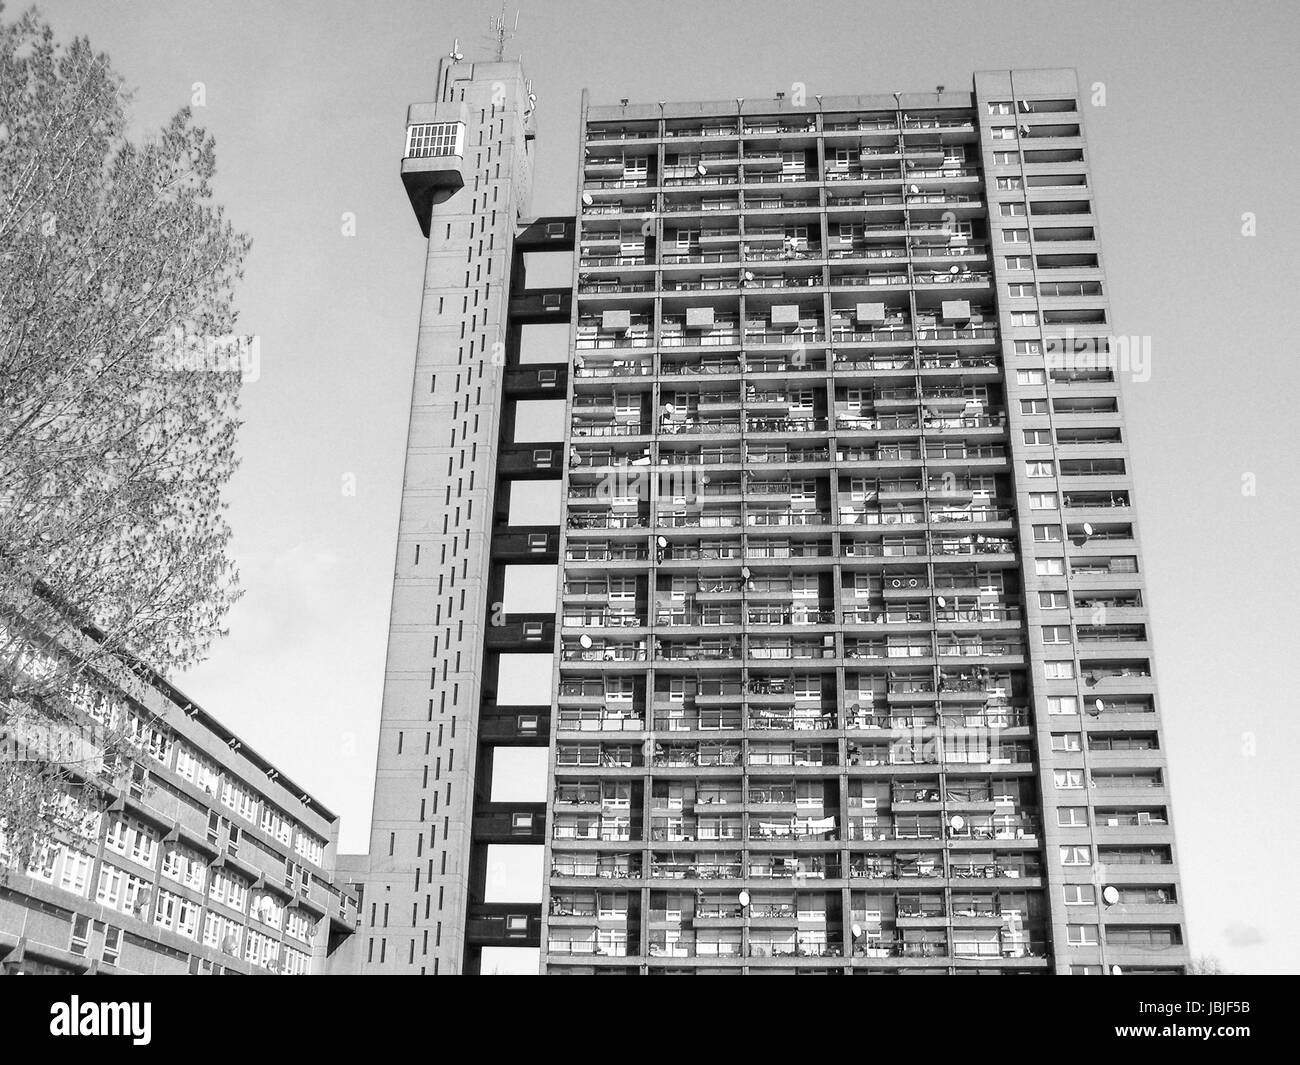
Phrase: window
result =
(276, 824)
(1049, 567)
(80, 942)
(197, 769)
(1030, 377)
(1059, 670)
(1042, 501)
(118, 836)
(1004, 133)
(1072, 817)
(239, 798)
(1017, 262)
(804, 586)
(1004, 158)
(1024, 317)
(429, 139)
(112, 945)
(1000, 107)
(1010, 184)
(296, 962)
(144, 845)
(1063, 704)
(1144, 938)
(122, 890)
(268, 909)
(1047, 534)
(176, 913)
(185, 866)
(152, 738)
(228, 888)
(1016, 236)
(1067, 779)
(1011, 210)
(309, 847)
(109, 889)
(1081, 935)
(1075, 855)
(222, 932)
(1065, 741)
(261, 950)
(300, 925)
(1028, 347)
(1020, 290)
(1039, 469)
(1038, 437)
(1056, 634)
(75, 876)
(1053, 600)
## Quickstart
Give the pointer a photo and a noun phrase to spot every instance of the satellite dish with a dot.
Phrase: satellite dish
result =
(705, 479)
(1115, 970)
(941, 601)
(1098, 706)
(745, 572)
(1110, 894)
(1087, 528)
(669, 409)
(954, 269)
(856, 930)
(701, 169)
(744, 898)
(585, 641)
(957, 822)
(662, 541)
(914, 189)
(749, 275)
(586, 199)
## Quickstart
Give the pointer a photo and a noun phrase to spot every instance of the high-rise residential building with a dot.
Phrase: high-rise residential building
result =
(850, 658)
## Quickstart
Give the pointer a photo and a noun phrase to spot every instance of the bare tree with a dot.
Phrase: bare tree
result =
(119, 389)
(1206, 965)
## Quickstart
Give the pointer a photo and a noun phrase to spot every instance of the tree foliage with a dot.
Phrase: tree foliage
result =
(113, 451)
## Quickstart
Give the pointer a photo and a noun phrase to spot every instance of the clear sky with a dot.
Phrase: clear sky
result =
(307, 100)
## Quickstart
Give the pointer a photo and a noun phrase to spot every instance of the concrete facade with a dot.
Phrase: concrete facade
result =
(205, 859)
(469, 194)
(851, 661)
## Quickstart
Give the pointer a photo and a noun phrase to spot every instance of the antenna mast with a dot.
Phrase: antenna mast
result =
(497, 27)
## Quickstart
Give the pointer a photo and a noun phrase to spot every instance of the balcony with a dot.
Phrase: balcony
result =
(600, 720)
